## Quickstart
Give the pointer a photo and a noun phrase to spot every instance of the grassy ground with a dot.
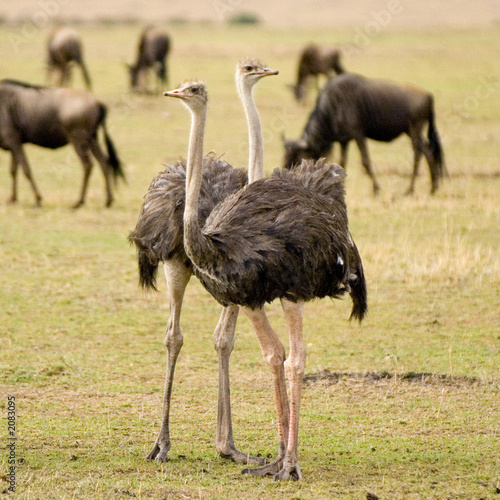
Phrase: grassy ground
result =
(405, 406)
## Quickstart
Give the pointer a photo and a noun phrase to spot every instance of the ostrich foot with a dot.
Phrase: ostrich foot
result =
(289, 471)
(159, 452)
(239, 457)
(271, 469)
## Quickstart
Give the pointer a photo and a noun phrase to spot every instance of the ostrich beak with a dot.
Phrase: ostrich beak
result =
(175, 93)
(269, 72)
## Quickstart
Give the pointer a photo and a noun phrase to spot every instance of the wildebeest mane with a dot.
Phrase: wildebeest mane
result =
(19, 83)
(320, 127)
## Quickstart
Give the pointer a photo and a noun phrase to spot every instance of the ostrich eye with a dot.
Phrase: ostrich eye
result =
(248, 68)
(195, 90)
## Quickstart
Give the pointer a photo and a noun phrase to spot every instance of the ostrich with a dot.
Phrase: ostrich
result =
(158, 237)
(282, 237)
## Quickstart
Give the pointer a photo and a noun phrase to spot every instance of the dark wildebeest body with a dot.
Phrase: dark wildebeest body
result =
(52, 117)
(315, 62)
(64, 48)
(352, 107)
(154, 46)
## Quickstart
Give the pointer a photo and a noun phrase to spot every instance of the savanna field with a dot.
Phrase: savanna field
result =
(404, 406)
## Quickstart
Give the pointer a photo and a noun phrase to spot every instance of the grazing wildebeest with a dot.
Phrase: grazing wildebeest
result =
(352, 107)
(52, 117)
(64, 48)
(314, 62)
(153, 49)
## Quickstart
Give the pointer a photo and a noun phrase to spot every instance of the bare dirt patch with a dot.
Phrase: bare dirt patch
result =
(331, 378)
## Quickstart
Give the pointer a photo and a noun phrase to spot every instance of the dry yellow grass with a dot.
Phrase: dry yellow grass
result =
(81, 345)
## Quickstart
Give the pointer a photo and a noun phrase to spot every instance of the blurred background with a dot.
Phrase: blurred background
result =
(271, 12)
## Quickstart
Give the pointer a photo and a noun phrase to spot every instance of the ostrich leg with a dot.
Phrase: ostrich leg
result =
(177, 279)
(224, 342)
(286, 466)
(274, 355)
(295, 366)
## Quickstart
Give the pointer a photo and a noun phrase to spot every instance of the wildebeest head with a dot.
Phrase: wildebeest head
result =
(133, 72)
(295, 152)
(299, 91)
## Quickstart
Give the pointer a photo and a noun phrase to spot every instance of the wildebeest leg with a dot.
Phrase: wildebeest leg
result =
(85, 74)
(418, 145)
(142, 85)
(13, 174)
(103, 162)
(365, 159)
(177, 276)
(224, 342)
(18, 156)
(431, 161)
(432, 165)
(344, 146)
(161, 72)
(83, 152)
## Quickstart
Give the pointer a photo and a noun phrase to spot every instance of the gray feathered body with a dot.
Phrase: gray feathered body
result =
(158, 235)
(282, 237)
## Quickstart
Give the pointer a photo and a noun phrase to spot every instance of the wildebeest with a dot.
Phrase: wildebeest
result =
(314, 62)
(154, 46)
(352, 107)
(52, 117)
(64, 48)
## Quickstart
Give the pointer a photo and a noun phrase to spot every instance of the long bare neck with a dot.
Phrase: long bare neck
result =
(194, 166)
(198, 247)
(255, 140)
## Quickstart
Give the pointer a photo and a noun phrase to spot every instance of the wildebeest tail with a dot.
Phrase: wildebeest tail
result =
(113, 159)
(435, 144)
(357, 285)
(162, 71)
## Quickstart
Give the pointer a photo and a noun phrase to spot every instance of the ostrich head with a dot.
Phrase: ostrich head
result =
(193, 94)
(250, 71)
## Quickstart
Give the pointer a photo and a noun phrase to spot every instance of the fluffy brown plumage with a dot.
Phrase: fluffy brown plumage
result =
(282, 237)
(158, 234)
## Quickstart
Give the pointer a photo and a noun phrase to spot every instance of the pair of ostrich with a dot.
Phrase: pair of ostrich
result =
(283, 237)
